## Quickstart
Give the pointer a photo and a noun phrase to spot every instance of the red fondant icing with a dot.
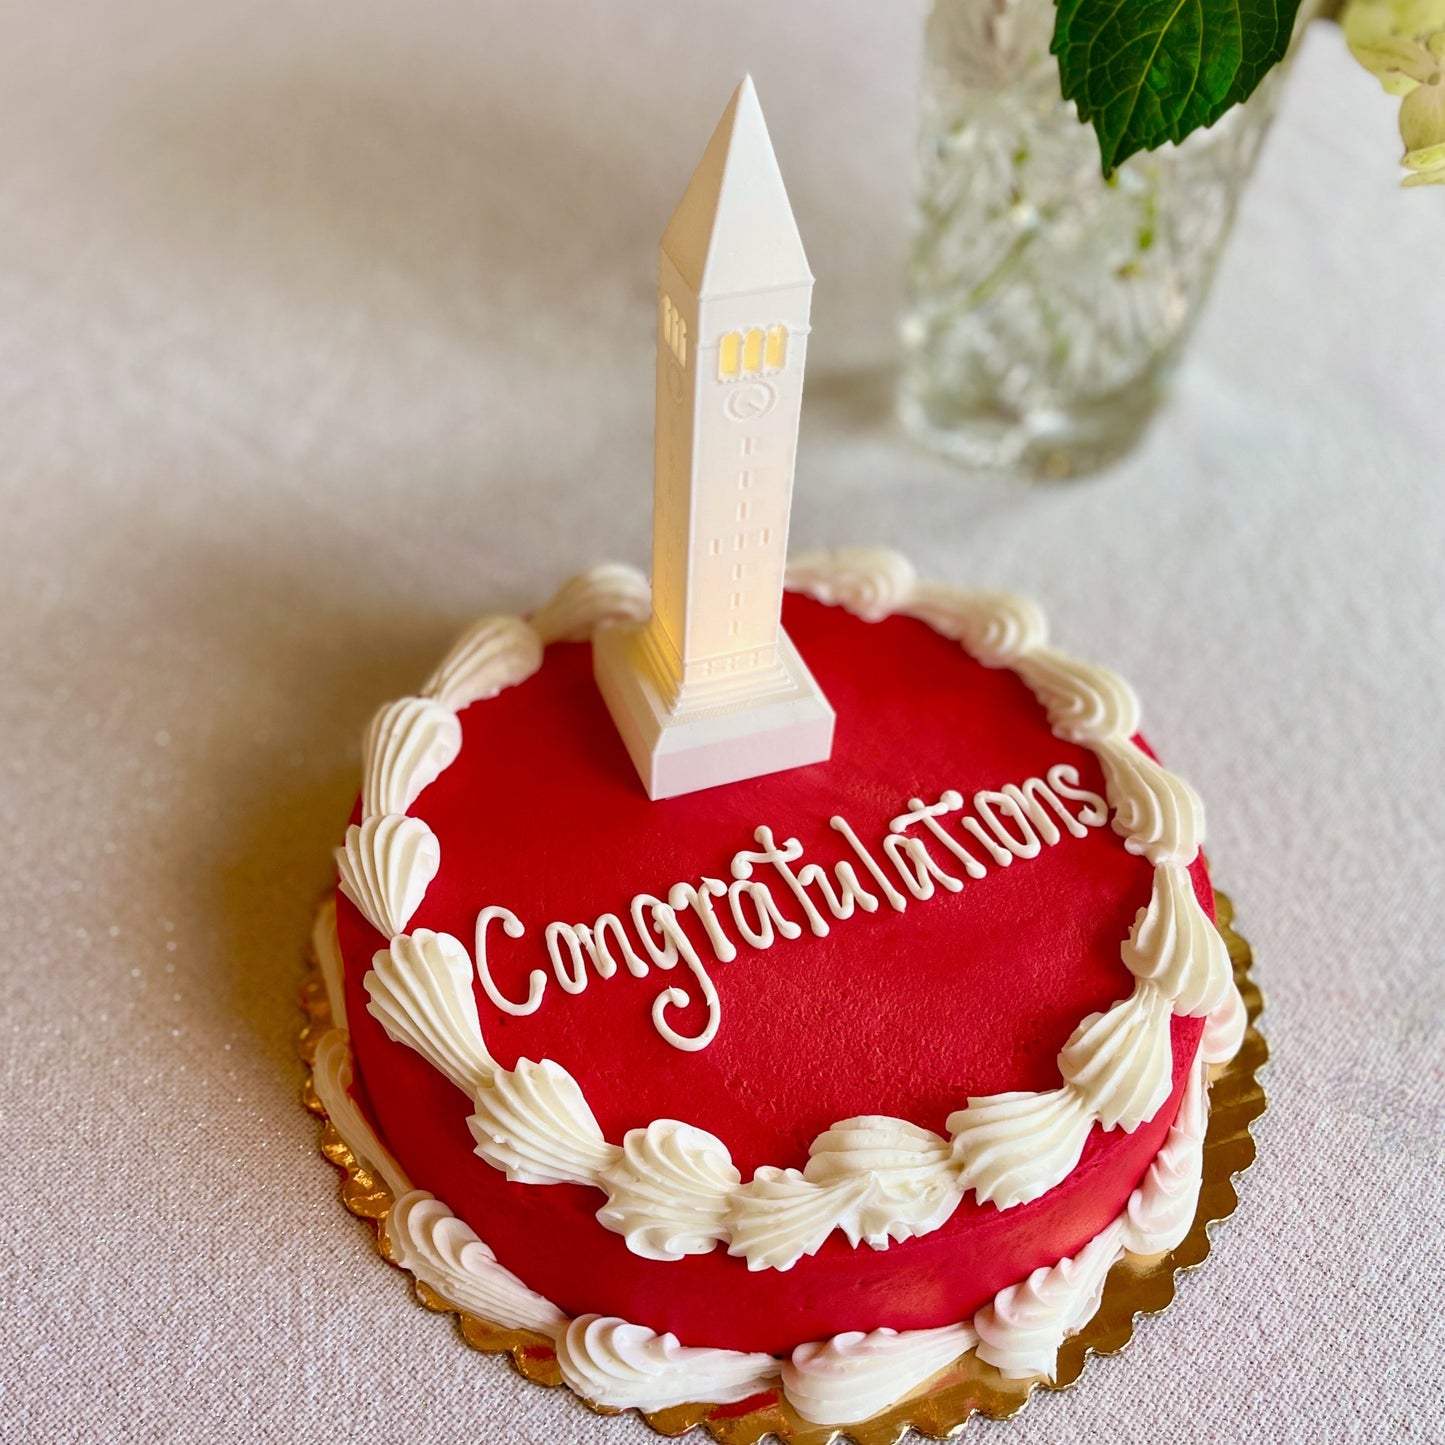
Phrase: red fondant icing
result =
(902, 1014)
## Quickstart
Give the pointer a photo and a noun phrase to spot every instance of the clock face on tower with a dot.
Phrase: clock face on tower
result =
(750, 402)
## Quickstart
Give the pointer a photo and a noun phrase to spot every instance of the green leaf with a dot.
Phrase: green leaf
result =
(1144, 72)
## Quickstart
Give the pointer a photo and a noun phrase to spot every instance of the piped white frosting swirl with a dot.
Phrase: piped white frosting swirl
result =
(1155, 811)
(1120, 1060)
(611, 1362)
(442, 1252)
(667, 1193)
(1012, 1148)
(1084, 703)
(1224, 1028)
(1175, 946)
(421, 993)
(1161, 1210)
(385, 867)
(409, 744)
(1021, 1330)
(869, 582)
(494, 653)
(534, 1124)
(878, 1179)
(780, 1216)
(854, 1375)
(596, 598)
(997, 628)
(331, 1071)
(912, 1185)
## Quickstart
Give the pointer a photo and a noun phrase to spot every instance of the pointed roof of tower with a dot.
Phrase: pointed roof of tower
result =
(733, 231)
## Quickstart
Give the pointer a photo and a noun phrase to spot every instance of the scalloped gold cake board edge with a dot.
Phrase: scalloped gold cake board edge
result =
(941, 1407)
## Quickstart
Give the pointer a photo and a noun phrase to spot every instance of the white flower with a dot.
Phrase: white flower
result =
(1402, 43)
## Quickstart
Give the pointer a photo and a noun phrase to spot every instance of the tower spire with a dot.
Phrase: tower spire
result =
(710, 690)
(733, 231)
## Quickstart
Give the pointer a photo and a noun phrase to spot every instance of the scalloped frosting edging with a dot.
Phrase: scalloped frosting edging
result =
(671, 1188)
(419, 1234)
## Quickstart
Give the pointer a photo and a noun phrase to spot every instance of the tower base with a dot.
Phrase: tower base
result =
(680, 749)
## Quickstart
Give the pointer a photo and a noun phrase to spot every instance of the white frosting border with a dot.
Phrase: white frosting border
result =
(839, 1381)
(671, 1188)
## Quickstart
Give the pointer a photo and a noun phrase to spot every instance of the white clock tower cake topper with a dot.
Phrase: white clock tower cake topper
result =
(710, 690)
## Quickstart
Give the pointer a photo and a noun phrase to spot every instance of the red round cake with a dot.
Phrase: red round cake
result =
(907, 1010)
(725, 1069)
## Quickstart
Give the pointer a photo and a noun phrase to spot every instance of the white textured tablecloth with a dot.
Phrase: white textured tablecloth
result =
(324, 328)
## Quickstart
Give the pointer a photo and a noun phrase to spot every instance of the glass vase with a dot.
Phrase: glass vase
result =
(1046, 305)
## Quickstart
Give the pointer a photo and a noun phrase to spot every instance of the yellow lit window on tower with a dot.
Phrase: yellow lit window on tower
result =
(729, 356)
(752, 352)
(674, 331)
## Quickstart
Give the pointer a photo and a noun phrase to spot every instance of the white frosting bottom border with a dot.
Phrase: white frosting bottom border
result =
(840, 1381)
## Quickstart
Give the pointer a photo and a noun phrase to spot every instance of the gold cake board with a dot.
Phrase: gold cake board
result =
(940, 1408)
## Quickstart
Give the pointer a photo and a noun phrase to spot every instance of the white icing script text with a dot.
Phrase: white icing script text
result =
(1012, 822)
